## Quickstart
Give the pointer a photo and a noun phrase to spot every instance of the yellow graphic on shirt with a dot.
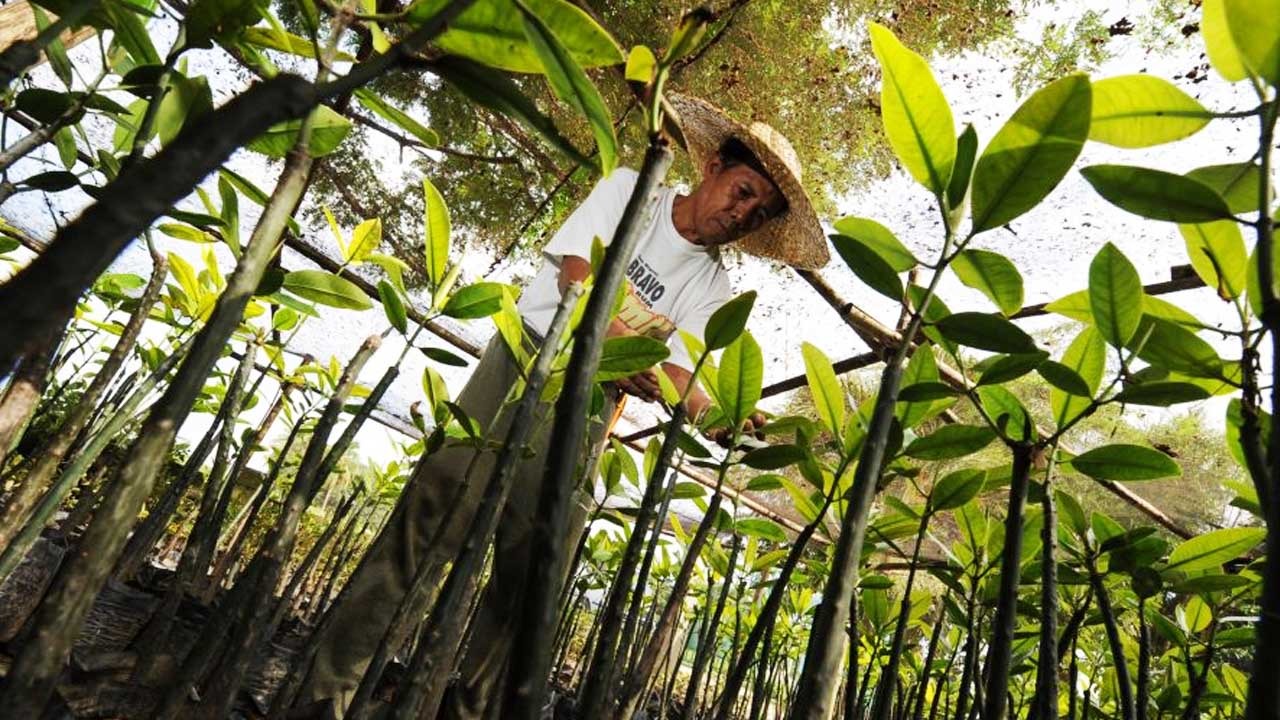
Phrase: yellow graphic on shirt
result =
(640, 319)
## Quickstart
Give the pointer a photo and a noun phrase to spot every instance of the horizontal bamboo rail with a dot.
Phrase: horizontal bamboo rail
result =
(867, 326)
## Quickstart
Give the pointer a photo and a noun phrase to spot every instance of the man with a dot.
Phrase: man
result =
(750, 194)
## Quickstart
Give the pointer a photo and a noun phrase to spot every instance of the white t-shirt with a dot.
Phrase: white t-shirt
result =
(672, 283)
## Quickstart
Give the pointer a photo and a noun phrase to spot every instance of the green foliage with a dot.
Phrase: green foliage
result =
(1133, 111)
(917, 118)
(1125, 462)
(1031, 153)
(327, 289)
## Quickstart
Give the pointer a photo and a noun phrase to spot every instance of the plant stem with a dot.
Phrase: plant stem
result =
(777, 592)
(707, 644)
(268, 565)
(13, 553)
(46, 460)
(440, 637)
(640, 677)
(1113, 640)
(1045, 706)
(1264, 683)
(1000, 653)
(600, 675)
(527, 678)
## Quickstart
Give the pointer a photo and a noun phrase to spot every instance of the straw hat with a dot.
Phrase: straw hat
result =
(795, 237)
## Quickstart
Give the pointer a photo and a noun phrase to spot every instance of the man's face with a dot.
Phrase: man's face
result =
(732, 202)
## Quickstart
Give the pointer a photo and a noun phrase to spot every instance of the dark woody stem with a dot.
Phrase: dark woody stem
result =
(527, 681)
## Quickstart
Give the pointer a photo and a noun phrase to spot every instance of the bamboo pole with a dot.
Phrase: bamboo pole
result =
(882, 337)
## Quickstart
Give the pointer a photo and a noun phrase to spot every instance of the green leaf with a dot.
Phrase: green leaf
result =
(880, 239)
(627, 355)
(687, 491)
(44, 105)
(1004, 368)
(393, 306)
(475, 301)
(286, 42)
(1255, 32)
(1198, 615)
(1008, 412)
(1218, 43)
(436, 225)
(992, 274)
(131, 33)
(641, 64)
(571, 84)
(490, 32)
(761, 528)
(56, 51)
(962, 172)
(740, 379)
(1074, 305)
(1134, 111)
(1212, 549)
(828, 399)
(364, 240)
(1064, 378)
(765, 483)
(868, 266)
(951, 441)
(328, 130)
(921, 370)
(1031, 154)
(687, 34)
(325, 288)
(498, 93)
(1156, 194)
(52, 181)
(917, 118)
(1162, 394)
(65, 141)
(926, 392)
(1218, 255)
(207, 19)
(185, 100)
(1115, 295)
(397, 117)
(956, 489)
(1237, 183)
(1174, 347)
(728, 322)
(186, 232)
(442, 356)
(1087, 356)
(986, 332)
(773, 457)
(1125, 462)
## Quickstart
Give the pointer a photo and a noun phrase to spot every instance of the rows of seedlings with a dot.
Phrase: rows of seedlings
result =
(181, 504)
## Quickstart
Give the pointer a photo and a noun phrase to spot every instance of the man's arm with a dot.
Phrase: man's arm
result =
(643, 385)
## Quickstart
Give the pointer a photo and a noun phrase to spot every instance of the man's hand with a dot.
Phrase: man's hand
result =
(643, 385)
(750, 428)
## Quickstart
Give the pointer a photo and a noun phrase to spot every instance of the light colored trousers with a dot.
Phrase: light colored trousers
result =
(366, 606)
